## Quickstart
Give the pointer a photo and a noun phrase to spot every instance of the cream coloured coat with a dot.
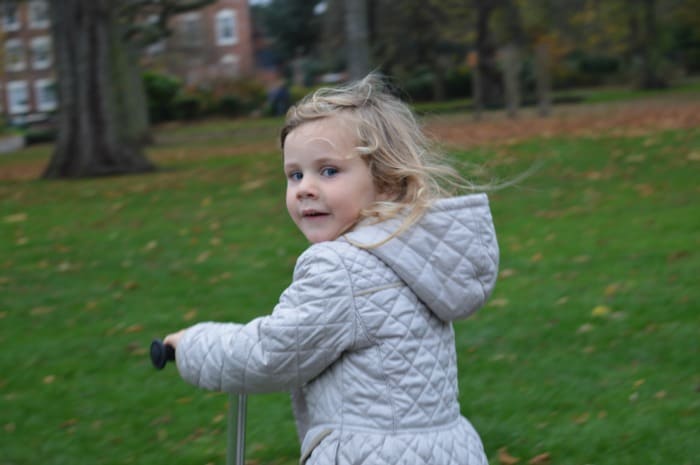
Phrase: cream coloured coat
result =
(364, 340)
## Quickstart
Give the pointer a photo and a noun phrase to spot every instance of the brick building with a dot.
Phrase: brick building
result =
(27, 90)
(210, 43)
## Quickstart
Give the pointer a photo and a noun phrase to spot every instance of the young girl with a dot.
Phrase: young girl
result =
(363, 335)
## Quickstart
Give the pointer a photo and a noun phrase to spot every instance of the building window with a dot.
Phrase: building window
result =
(41, 52)
(190, 30)
(14, 55)
(45, 94)
(38, 14)
(157, 47)
(226, 27)
(17, 97)
(10, 16)
(230, 65)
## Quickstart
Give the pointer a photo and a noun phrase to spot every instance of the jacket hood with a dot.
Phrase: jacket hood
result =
(449, 258)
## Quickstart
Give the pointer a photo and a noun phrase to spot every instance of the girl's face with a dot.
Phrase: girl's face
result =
(328, 185)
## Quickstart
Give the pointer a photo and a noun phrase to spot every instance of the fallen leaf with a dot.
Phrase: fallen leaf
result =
(37, 311)
(252, 185)
(69, 422)
(585, 328)
(635, 159)
(581, 419)
(505, 458)
(540, 458)
(49, 379)
(536, 258)
(63, 267)
(644, 190)
(611, 289)
(191, 315)
(660, 395)
(151, 245)
(498, 302)
(202, 257)
(507, 273)
(16, 218)
(206, 202)
(134, 329)
(164, 420)
(693, 156)
(10, 427)
(600, 311)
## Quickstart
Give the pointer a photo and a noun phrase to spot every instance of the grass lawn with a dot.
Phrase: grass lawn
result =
(586, 354)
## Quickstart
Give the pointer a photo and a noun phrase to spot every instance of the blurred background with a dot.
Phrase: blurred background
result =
(141, 191)
(166, 60)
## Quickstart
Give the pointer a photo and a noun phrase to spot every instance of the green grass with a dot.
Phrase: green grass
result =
(588, 350)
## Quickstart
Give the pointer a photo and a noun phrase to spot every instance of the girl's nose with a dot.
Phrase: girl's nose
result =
(307, 188)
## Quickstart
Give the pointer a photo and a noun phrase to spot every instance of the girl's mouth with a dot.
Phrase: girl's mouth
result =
(313, 214)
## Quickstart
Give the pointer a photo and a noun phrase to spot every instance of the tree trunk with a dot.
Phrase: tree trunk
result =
(511, 77)
(543, 79)
(477, 87)
(490, 81)
(650, 55)
(357, 38)
(102, 121)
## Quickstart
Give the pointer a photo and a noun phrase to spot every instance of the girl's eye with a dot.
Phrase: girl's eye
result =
(295, 175)
(329, 171)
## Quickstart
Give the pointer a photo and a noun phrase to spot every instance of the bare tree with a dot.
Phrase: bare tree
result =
(102, 120)
(357, 37)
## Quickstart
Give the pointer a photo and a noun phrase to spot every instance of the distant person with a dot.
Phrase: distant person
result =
(279, 99)
(363, 336)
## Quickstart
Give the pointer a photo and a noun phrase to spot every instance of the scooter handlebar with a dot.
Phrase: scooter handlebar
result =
(161, 353)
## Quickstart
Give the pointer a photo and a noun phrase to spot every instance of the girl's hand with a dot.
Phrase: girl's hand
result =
(173, 339)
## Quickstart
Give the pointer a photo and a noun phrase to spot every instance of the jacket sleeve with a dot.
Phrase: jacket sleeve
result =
(312, 325)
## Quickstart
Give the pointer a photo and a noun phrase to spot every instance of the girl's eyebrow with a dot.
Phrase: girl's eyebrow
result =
(321, 139)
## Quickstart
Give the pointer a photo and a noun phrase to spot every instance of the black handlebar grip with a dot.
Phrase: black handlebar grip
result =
(161, 353)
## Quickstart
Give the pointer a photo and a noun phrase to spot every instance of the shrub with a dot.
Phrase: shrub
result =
(230, 105)
(187, 107)
(161, 92)
(458, 83)
(237, 96)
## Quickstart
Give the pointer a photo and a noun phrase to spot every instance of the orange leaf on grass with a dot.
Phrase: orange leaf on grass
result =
(505, 458)
(540, 459)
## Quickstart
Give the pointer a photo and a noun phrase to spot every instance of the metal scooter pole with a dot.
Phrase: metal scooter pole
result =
(161, 354)
(236, 429)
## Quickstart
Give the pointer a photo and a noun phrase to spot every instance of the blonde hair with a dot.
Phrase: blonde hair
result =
(404, 163)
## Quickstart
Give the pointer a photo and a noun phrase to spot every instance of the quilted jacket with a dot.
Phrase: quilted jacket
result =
(363, 338)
